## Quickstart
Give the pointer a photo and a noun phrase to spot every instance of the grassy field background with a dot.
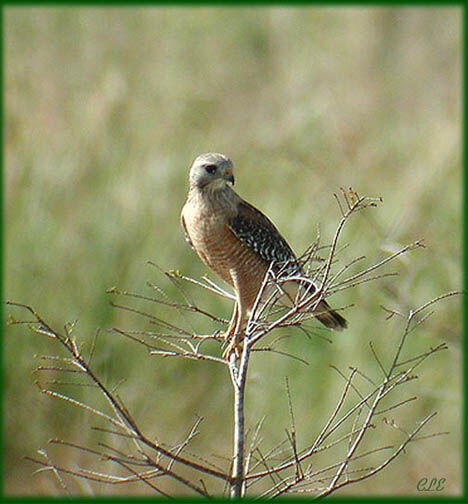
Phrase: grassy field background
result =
(105, 109)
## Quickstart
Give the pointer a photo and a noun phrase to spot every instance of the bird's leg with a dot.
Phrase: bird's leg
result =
(235, 335)
(229, 333)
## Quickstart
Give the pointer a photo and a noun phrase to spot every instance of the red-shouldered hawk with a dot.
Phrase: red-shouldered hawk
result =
(236, 240)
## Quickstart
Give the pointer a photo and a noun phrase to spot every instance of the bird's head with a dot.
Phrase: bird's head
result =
(211, 171)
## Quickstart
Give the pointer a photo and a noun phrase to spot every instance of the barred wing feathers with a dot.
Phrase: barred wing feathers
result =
(255, 229)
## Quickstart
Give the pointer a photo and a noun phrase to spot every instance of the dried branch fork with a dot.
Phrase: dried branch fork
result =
(284, 468)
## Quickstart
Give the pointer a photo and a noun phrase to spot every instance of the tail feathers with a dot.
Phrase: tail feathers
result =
(329, 317)
(324, 312)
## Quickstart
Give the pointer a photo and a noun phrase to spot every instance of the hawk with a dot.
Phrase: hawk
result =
(238, 241)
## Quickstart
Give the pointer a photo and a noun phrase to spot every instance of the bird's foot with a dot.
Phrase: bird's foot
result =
(234, 347)
(233, 340)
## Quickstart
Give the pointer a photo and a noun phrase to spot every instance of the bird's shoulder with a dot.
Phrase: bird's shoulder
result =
(255, 229)
(184, 227)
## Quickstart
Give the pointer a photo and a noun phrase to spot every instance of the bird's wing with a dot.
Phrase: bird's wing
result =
(187, 237)
(256, 230)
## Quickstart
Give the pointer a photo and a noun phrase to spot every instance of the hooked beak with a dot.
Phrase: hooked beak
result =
(230, 178)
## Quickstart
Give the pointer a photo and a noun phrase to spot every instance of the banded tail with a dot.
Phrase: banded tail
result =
(329, 317)
(324, 313)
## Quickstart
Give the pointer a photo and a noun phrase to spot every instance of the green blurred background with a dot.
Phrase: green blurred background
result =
(105, 109)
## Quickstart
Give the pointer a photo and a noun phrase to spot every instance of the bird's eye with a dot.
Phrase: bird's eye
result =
(211, 168)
